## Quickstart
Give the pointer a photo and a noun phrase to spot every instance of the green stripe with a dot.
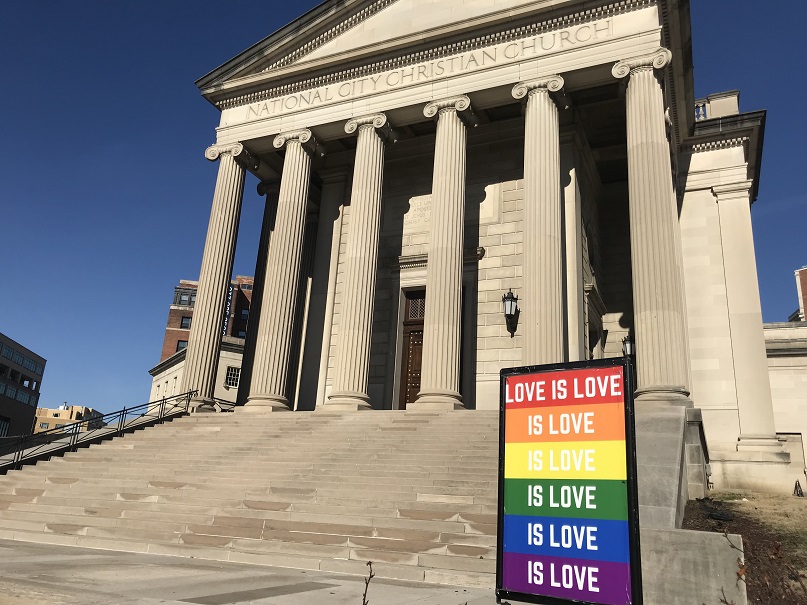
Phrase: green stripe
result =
(609, 499)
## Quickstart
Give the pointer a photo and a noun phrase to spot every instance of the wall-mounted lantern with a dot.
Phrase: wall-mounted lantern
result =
(628, 348)
(511, 311)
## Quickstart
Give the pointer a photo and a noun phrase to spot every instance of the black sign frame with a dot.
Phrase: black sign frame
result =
(627, 363)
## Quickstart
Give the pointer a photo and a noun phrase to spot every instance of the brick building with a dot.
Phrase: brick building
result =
(21, 373)
(180, 313)
(48, 419)
(801, 288)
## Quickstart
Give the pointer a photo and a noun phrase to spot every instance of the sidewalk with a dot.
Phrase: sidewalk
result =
(34, 574)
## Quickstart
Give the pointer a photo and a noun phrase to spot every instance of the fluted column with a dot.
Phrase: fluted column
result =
(757, 427)
(658, 302)
(270, 370)
(204, 341)
(361, 261)
(442, 325)
(542, 315)
(270, 190)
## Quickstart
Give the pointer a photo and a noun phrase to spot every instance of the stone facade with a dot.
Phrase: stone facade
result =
(470, 152)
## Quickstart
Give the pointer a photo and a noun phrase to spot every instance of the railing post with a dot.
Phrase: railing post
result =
(162, 408)
(122, 420)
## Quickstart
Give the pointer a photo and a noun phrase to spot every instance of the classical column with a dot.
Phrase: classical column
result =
(204, 341)
(542, 317)
(361, 260)
(745, 318)
(442, 325)
(270, 190)
(658, 302)
(272, 351)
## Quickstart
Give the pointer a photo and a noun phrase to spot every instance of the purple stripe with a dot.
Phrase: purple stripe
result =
(612, 583)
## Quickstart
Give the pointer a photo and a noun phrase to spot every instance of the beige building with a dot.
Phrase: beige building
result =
(421, 159)
(49, 419)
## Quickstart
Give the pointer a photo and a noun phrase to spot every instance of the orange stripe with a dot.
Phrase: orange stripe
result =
(603, 421)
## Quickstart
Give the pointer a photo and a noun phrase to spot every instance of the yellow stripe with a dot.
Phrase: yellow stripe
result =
(571, 460)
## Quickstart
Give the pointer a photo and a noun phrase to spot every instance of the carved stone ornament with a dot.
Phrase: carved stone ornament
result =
(549, 83)
(239, 153)
(378, 121)
(657, 60)
(461, 104)
(304, 136)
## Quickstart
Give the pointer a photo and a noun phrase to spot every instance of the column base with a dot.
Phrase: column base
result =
(263, 404)
(670, 395)
(437, 399)
(346, 401)
(202, 405)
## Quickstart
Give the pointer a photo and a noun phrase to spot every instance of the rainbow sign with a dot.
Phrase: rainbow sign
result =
(568, 511)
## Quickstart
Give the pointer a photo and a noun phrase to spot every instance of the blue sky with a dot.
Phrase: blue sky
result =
(105, 193)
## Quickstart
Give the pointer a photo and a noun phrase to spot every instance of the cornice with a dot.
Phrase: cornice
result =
(716, 145)
(518, 33)
(419, 261)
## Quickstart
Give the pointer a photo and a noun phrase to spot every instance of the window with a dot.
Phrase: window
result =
(23, 397)
(58, 426)
(40, 369)
(44, 425)
(2, 388)
(56, 415)
(182, 344)
(244, 313)
(232, 377)
(8, 352)
(242, 334)
(185, 323)
(246, 287)
(11, 391)
(19, 359)
(5, 426)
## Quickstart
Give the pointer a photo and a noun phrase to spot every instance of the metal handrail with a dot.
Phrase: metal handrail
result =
(70, 436)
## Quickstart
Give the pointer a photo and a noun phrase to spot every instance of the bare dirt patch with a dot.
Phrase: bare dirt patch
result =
(774, 531)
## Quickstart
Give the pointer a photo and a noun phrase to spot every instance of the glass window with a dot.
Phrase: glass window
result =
(232, 377)
(5, 425)
(182, 344)
(40, 369)
(56, 415)
(19, 358)
(44, 425)
(2, 388)
(8, 352)
(246, 287)
(34, 400)
(22, 397)
(244, 313)
(242, 334)
(11, 391)
(58, 426)
(185, 323)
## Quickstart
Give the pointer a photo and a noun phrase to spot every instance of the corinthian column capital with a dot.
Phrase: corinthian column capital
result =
(237, 151)
(460, 104)
(657, 60)
(376, 121)
(303, 136)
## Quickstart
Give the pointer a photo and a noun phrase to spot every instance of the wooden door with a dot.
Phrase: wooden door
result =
(412, 357)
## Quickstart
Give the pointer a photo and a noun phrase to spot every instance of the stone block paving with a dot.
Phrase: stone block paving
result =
(39, 574)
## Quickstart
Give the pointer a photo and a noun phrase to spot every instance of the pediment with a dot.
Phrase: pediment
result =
(404, 19)
(356, 30)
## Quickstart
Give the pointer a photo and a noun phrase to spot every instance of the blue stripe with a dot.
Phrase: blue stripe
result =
(607, 539)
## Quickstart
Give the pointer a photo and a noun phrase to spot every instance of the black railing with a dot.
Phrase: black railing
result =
(68, 438)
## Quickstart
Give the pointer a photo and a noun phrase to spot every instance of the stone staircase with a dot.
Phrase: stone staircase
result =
(413, 492)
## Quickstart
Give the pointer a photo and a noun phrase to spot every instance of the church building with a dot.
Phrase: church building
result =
(423, 160)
